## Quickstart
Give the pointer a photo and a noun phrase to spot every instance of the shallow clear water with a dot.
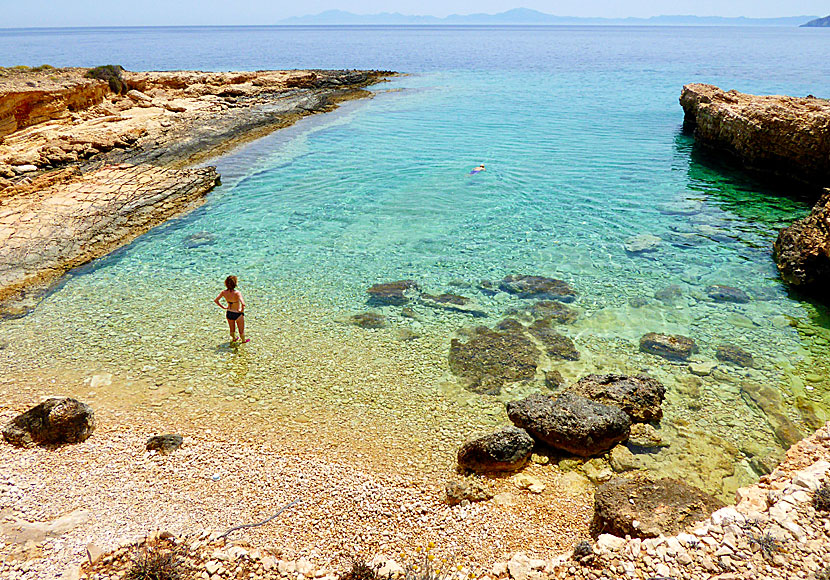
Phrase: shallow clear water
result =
(580, 130)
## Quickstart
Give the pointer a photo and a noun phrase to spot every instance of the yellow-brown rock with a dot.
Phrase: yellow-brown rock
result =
(786, 136)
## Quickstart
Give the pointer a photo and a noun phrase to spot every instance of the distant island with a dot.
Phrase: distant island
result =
(526, 16)
(818, 23)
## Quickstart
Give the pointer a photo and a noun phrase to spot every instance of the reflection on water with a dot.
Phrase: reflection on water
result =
(310, 217)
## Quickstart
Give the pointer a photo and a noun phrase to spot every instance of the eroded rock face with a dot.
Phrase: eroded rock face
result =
(56, 421)
(571, 423)
(672, 347)
(396, 293)
(802, 251)
(507, 449)
(538, 287)
(658, 507)
(788, 136)
(639, 396)
(490, 358)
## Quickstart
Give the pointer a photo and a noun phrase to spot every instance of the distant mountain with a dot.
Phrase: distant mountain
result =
(528, 16)
(818, 22)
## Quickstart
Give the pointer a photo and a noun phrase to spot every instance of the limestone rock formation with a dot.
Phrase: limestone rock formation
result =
(787, 136)
(639, 396)
(507, 449)
(643, 508)
(802, 251)
(571, 423)
(56, 421)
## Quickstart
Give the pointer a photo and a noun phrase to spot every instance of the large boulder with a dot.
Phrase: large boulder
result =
(639, 396)
(507, 449)
(538, 287)
(395, 293)
(802, 251)
(672, 347)
(491, 358)
(57, 421)
(643, 508)
(571, 423)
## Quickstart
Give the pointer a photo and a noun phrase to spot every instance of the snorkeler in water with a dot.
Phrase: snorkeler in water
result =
(478, 169)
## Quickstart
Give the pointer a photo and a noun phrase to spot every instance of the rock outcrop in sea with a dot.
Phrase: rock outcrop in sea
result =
(788, 137)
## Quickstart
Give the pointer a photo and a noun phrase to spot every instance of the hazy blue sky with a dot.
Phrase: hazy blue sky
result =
(15, 13)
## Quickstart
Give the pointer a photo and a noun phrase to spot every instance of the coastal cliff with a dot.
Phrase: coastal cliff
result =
(86, 165)
(788, 137)
(785, 136)
(818, 23)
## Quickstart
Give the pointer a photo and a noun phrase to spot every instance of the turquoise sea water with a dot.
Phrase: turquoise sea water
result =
(580, 131)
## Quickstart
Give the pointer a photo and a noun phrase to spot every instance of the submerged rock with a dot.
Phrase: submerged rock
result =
(768, 400)
(538, 287)
(368, 320)
(395, 293)
(554, 311)
(453, 302)
(571, 423)
(642, 243)
(556, 345)
(199, 239)
(644, 508)
(669, 293)
(802, 251)
(507, 449)
(554, 380)
(730, 353)
(645, 436)
(164, 444)
(672, 347)
(720, 293)
(490, 358)
(639, 396)
(56, 421)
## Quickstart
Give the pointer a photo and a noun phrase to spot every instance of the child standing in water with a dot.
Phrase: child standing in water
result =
(235, 310)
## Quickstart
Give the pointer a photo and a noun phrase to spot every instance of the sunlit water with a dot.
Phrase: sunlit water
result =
(580, 130)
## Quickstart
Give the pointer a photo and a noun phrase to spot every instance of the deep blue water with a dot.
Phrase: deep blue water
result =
(580, 129)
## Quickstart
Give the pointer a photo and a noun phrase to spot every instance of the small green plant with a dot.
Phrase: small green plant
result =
(360, 570)
(163, 565)
(821, 499)
(110, 73)
(43, 67)
(20, 67)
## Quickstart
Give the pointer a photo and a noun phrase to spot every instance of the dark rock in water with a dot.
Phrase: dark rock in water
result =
(453, 302)
(368, 320)
(164, 444)
(637, 301)
(557, 345)
(510, 324)
(639, 396)
(408, 312)
(490, 358)
(466, 490)
(730, 353)
(768, 400)
(538, 287)
(505, 450)
(554, 380)
(720, 293)
(669, 293)
(488, 288)
(396, 293)
(199, 239)
(665, 506)
(672, 347)
(56, 421)
(802, 251)
(553, 310)
(571, 423)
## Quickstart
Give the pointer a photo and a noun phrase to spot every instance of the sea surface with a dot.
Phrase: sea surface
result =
(581, 133)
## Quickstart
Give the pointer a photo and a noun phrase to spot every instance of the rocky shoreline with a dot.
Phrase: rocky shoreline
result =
(784, 137)
(87, 165)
